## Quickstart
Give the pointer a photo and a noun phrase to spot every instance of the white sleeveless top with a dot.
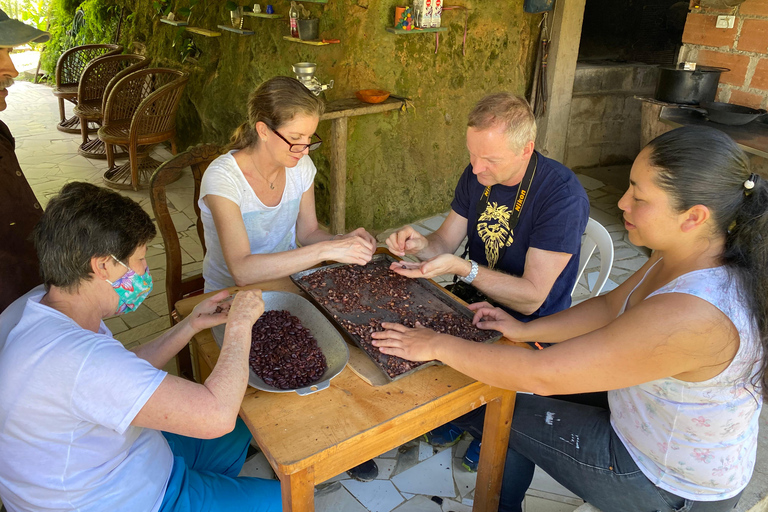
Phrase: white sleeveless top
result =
(697, 440)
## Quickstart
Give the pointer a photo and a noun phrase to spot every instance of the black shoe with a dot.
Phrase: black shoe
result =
(365, 472)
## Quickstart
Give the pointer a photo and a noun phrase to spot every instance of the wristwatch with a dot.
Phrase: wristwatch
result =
(472, 273)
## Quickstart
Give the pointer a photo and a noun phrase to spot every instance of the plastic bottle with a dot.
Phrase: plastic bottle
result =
(293, 14)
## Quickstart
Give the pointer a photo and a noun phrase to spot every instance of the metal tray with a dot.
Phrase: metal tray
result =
(329, 340)
(429, 295)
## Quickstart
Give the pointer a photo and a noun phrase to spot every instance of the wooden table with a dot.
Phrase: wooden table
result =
(339, 111)
(313, 438)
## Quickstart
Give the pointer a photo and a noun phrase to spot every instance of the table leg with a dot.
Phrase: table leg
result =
(298, 491)
(493, 452)
(338, 175)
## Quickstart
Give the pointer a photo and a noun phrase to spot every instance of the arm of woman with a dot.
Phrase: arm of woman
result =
(667, 335)
(208, 410)
(247, 268)
(585, 317)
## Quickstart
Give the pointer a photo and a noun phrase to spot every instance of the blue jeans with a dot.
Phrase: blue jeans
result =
(576, 445)
(204, 476)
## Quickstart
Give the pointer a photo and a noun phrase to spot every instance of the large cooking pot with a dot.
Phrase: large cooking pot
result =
(678, 85)
(727, 113)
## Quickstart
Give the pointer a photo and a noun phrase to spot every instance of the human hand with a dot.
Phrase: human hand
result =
(247, 307)
(406, 241)
(414, 344)
(439, 265)
(350, 248)
(365, 235)
(488, 317)
(211, 312)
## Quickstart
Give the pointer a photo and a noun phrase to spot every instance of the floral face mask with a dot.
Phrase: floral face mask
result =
(132, 289)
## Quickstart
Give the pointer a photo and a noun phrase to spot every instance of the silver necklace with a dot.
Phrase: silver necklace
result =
(271, 183)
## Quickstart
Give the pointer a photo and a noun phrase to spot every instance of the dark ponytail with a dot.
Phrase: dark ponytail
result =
(701, 165)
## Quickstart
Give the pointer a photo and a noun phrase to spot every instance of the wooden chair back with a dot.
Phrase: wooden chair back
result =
(73, 62)
(155, 117)
(102, 71)
(177, 287)
(132, 90)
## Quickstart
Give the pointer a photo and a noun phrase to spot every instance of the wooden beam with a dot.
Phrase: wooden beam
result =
(338, 174)
(565, 31)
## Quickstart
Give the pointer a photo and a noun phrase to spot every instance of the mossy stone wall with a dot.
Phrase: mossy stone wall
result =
(401, 166)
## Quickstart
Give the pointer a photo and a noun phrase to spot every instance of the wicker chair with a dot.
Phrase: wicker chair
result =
(197, 158)
(68, 70)
(97, 80)
(140, 112)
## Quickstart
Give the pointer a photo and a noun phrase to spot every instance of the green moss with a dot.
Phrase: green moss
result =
(401, 166)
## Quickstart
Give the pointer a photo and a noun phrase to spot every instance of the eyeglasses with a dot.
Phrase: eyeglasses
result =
(299, 148)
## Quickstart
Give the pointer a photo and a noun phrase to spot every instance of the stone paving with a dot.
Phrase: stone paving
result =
(409, 476)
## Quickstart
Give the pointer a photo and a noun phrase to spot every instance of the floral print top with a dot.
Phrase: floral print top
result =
(697, 440)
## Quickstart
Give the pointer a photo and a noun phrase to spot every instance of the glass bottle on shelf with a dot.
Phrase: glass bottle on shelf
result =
(293, 14)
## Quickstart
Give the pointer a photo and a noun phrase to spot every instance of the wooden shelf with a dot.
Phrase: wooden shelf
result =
(175, 23)
(316, 42)
(263, 15)
(398, 31)
(203, 32)
(241, 31)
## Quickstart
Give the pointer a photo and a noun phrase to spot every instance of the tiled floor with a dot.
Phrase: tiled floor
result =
(414, 477)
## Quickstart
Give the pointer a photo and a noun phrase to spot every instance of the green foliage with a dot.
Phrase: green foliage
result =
(31, 12)
(96, 24)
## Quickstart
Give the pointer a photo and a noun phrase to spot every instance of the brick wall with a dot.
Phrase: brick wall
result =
(743, 49)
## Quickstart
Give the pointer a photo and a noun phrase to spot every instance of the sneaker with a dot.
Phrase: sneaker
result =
(470, 459)
(446, 435)
(365, 472)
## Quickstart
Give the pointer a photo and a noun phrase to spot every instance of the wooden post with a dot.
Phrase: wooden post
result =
(565, 30)
(338, 174)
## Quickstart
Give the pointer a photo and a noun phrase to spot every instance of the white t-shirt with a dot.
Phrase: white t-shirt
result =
(270, 228)
(68, 398)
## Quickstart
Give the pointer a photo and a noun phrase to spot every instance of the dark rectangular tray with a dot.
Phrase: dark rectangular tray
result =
(431, 298)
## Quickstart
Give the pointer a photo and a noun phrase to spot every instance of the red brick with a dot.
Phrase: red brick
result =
(700, 29)
(746, 98)
(736, 63)
(754, 8)
(760, 78)
(754, 36)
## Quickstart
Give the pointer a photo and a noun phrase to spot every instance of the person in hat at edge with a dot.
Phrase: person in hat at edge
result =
(19, 208)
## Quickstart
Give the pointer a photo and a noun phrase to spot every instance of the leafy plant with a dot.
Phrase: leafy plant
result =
(161, 7)
(187, 11)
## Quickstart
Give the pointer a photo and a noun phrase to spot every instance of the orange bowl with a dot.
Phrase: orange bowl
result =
(372, 95)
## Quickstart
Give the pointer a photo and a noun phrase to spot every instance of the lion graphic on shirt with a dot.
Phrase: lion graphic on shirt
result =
(493, 228)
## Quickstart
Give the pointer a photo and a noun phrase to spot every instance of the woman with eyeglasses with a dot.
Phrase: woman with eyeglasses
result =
(257, 201)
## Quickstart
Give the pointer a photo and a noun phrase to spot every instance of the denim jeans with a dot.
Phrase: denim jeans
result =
(576, 445)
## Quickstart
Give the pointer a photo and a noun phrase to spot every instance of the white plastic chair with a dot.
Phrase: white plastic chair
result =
(595, 237)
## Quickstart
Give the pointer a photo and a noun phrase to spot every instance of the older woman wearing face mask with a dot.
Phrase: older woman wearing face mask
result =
(88, 425)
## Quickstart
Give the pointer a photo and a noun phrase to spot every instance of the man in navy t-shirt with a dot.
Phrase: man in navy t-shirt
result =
(523, 214)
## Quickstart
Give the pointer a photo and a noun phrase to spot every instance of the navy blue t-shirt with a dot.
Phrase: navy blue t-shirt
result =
(553, 218)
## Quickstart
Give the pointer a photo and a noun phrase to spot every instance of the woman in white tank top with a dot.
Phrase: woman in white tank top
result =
(681, 346)
(257, 201)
